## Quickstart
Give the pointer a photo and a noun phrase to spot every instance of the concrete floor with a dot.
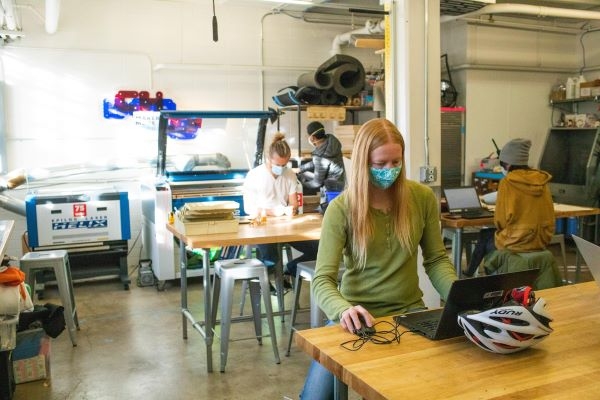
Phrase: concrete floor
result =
(130, 346)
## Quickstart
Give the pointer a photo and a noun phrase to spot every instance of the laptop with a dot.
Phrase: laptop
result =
(464, 202)
(478, 293)
(591, 255)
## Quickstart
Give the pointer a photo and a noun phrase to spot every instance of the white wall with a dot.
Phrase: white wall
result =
(504, 77)
(54, 85)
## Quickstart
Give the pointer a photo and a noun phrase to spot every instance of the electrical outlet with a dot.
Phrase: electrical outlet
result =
(428, 174)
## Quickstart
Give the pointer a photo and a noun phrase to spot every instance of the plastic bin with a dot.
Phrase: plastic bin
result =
(559, 226)
(331, 195)
(572, 227)
(8, 332)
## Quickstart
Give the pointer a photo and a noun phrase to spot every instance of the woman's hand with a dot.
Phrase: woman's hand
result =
(350, 319)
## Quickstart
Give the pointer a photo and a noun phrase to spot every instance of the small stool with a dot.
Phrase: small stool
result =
(226, 273)
(278, 275)
(306, 271)
(57, 260)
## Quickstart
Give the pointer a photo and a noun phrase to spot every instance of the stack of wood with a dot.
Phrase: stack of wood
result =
(345, 134)
(207, 217)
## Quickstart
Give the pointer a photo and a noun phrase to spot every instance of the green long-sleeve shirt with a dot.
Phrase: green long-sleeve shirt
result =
(389, 283)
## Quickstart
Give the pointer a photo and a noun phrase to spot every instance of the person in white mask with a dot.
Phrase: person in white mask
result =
(326, 168)
(270, 190)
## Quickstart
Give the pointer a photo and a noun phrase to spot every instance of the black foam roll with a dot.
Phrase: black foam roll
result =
(287, 97)
(315, 79)
(329, 97)
(309, 95)
(348, 79)
(337, 60)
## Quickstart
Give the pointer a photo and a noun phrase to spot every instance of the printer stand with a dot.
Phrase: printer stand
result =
(97, 260)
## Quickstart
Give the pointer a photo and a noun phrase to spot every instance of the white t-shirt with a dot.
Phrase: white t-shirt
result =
(262, 190)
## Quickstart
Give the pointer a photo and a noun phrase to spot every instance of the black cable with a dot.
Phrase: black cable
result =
(215, 26)
(392, 335)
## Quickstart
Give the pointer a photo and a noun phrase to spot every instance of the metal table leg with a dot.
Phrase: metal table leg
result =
(457, 250)
(207, 331)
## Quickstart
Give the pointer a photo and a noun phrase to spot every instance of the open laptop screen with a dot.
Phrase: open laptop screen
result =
(462, 198)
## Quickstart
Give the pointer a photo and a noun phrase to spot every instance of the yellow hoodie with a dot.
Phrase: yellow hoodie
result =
(524, 213)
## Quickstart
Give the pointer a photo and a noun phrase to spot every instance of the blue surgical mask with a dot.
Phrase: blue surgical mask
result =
(277, 169)
(383, 178)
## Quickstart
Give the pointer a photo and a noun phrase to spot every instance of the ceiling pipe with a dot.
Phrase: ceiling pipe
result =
(52, 15)
(371, 28)
(523, 26)
(538, 11)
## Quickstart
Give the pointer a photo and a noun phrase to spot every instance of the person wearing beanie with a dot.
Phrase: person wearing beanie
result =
(524, 213)
(524, 204)
(326, 168)
(325, 172)
(516, 152)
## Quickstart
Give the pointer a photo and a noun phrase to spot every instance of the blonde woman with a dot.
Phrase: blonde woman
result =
(271, 188)
(376, 227)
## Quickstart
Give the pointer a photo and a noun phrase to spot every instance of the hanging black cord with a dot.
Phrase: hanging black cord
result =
(215, 26)
(445, 57)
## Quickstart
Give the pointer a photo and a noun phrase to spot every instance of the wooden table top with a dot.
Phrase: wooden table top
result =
(277, 230)
(560, 211)
(565, 365)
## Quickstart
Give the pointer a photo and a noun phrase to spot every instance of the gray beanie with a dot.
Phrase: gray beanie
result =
(516, 152)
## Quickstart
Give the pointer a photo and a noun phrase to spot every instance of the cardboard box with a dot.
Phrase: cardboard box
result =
(33, 368)
(590, 89)
(345, 134)
(206, 227)
(346, 130)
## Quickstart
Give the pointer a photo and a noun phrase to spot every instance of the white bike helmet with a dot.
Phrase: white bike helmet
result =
(509, 328)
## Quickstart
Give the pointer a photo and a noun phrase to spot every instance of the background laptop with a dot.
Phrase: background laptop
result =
(478, 293)
(464, 201)
(591, 255)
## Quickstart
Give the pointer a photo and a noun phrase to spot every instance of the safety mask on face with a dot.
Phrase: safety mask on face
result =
(277, 169)
(504, 171)
(310, 140)
(383, 178)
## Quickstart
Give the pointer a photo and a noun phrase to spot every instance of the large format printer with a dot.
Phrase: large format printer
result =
(161, 197)
(211, 166)
(93, 227)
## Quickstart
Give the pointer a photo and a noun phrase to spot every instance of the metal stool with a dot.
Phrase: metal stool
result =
(226, 273)
(469, 236)
(306, 271)
(58, 260)
(278, 275)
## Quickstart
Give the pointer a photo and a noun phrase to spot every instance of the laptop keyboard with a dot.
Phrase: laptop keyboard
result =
(429, 325)
(477, 214)
(421, 324)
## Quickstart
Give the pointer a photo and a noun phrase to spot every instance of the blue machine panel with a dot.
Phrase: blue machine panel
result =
(207, 186)
(77, 218)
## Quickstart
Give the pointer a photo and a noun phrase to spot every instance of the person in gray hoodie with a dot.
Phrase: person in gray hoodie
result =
(325, 172)
(326, 169)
